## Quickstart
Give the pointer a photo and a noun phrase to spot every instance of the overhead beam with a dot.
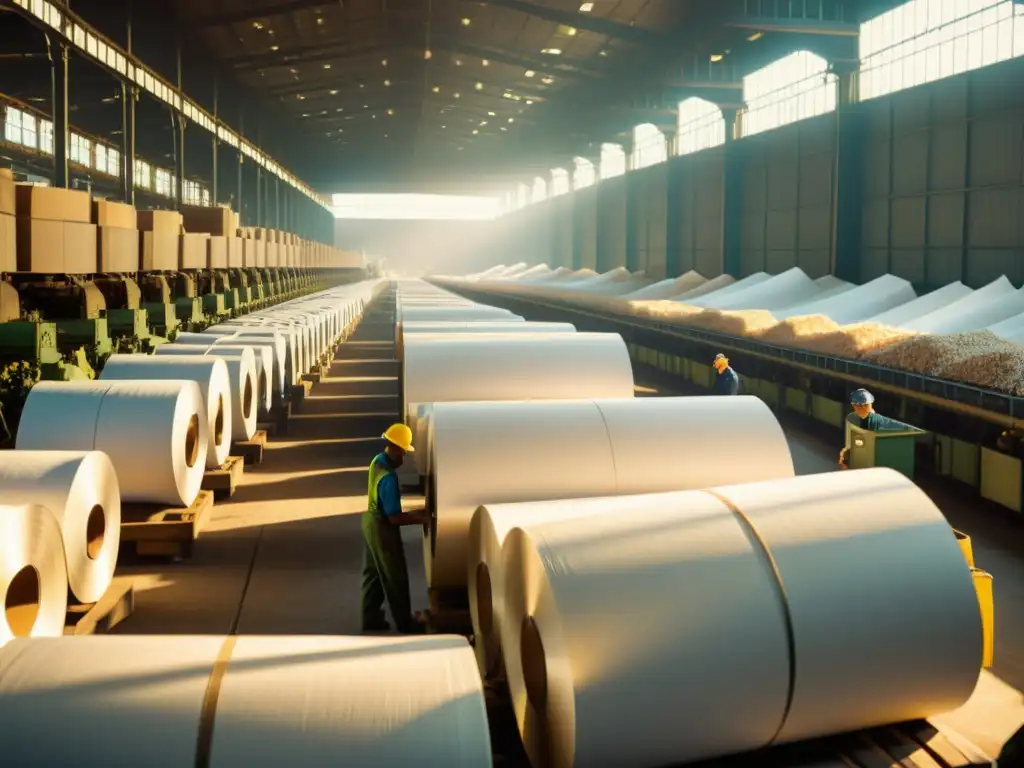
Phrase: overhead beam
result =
(276, 61)
(550, 65)
(578, 20)
(798, 26)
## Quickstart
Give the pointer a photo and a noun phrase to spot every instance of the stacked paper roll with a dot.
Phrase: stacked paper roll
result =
(80, 490)
(629, 445)
(244, 388)
(194, 339)
(279, 348)
(210, 373)
(730, 618)
(263, 360)
(558, 366)
(33, 576)
(275, 701)
(153, 431)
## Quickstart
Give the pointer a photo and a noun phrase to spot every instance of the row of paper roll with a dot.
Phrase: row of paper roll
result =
(655, 582)
(145, 432)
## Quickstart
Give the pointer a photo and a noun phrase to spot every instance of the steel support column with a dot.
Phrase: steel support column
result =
(129, 95)
(61, 134)
(732, 195)
(214, 144)
(179, 161)
(259, 186)
(847, 177)
(277, 203)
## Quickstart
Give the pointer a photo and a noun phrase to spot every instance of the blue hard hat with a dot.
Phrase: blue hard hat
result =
(861, 397)
(718, 357)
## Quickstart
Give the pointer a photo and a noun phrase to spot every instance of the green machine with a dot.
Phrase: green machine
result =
(217, 296)
(76, 307)
(126, 317)
(893, 449)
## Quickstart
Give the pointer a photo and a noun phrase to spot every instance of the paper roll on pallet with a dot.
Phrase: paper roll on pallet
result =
(80, 490)
(735, 618)
(263, 366)
(33, 574)
(279, 348)
(299, 701)
(153, 431)
(194, 339)
(516, 367)
(211, 374)
(505, 452)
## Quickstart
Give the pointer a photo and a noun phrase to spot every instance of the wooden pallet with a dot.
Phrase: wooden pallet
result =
(100, 617)
(449, 612)
(251, 450)
(297, 393)
(224, 480)
(156, 530)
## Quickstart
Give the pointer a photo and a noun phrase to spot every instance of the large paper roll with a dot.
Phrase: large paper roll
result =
(211, 374)
(245, 401)
(695, 440)
(466, 367)
(194, 339)
(278, 346)
(80, 490)
(263, 361)
(153, 431)
(33, 575)
(259, 702)
(759, 603)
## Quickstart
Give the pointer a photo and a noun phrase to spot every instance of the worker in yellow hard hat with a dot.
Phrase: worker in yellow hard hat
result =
(384, 570)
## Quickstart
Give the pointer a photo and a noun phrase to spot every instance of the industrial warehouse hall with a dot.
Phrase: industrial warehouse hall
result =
(533, 383)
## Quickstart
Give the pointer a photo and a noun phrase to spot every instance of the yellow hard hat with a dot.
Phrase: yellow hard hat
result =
(401, 436)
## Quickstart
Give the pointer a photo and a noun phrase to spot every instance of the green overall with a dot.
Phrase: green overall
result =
(384, 571)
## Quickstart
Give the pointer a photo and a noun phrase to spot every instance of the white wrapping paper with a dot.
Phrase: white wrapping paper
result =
(505, 452)
(211, 374)
(263, 361)
(81, 492)
(33, 577)
(771, 612)
(153, 431)
(303, 702)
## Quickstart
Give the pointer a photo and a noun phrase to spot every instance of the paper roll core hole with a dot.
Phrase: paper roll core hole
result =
(21, 603)
(95, 532)
(535, 668)
(484, 607)
(218, 422)
(192, 441)
(247, 398)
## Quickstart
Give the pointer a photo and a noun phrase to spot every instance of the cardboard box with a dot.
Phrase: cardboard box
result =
(107, 213)
(217, 252)
(212, 221)
(7, 205)
(52, 203)
(273, 251)
(56, 247)
(160, 222)
(248, 253)
(117, 249)
(158, 251)
(261, 253)
(235, 252)
(193, 252)
(8, 243)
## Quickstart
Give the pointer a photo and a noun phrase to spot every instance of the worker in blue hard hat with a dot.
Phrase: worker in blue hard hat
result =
(865, 417)
(727, 382)
(385, 575)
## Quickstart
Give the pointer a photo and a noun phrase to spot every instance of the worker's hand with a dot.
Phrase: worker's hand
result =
(842, 458)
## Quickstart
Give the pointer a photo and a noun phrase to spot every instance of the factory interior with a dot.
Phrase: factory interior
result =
(513, 383)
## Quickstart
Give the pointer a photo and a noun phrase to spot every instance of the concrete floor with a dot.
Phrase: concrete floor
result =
(284, 555)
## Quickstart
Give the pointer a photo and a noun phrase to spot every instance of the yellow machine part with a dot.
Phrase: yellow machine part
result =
(965, 546)
(983, 586)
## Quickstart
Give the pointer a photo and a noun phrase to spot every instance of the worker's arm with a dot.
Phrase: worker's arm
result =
(390, 498)
(876, 422)
(733, 384)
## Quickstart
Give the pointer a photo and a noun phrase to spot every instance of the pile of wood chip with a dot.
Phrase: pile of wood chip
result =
(733, 323)
(944, 355)
(855, 340)
(1002, 371)
(796, 330)
(664, 311)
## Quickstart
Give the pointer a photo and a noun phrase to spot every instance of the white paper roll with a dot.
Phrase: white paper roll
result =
(244, 393)
(263, 362)
(279, 348)
(194, 339)
(33, 575)
(80, 490)
(211, 374)
(153, 431)
(770, 612)
(465, 367)
(630, 445)
(303, 702)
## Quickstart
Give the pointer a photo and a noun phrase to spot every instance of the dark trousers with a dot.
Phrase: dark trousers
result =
(385, 575)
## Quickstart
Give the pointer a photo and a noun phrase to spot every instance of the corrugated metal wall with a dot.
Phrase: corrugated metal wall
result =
(943, 171)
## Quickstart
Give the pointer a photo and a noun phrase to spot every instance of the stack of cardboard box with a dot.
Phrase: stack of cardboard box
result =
(222, 244)
(8, 238)
(55, 230)
(117, 236)
(159, 236)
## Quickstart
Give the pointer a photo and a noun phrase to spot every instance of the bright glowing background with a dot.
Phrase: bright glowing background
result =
(417, 207)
